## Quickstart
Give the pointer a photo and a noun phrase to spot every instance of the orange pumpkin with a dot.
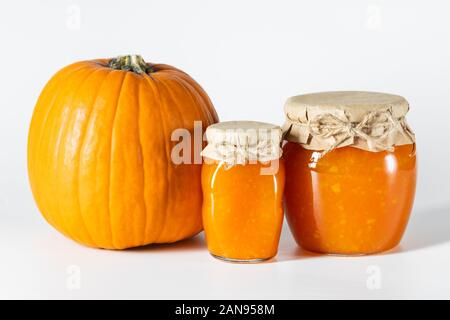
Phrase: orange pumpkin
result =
(99, 153)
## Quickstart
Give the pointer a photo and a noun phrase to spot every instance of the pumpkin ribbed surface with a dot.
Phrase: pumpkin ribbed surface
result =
(99, 154)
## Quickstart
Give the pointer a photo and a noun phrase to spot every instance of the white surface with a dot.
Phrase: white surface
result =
(38, 263)
(249, 56)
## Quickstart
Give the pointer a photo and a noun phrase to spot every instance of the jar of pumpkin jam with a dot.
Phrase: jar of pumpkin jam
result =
(243, 182)
(350, 171)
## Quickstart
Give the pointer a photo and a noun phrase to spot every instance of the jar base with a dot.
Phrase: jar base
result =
(356, 254)
(258, 260)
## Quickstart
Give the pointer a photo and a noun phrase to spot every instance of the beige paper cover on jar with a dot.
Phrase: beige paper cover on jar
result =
(370, 121)
(241, 142)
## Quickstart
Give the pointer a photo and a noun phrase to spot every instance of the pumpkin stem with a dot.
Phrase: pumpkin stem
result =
(131, 62)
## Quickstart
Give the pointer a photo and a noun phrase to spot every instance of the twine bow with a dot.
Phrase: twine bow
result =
(242, 152)
(375, 128)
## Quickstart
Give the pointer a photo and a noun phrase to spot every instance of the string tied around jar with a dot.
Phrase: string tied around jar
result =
(374, 128)
(243, 142)
(243, 153)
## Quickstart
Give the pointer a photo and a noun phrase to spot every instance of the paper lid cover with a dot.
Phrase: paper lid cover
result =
(371, 121)
(238, 142)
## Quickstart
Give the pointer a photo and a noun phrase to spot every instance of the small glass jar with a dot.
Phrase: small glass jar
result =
(350, 171)
(243, 182)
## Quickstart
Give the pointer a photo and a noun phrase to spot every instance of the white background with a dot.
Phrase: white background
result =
(249, 56)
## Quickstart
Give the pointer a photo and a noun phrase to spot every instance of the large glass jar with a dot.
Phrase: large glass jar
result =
(350, 177)
(243, 182)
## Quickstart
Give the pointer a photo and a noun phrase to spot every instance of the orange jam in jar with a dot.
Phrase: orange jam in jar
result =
(350, 171)
(243, 182)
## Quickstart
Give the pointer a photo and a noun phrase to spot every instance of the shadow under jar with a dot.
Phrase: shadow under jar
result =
(243, 182)
(350, 171)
